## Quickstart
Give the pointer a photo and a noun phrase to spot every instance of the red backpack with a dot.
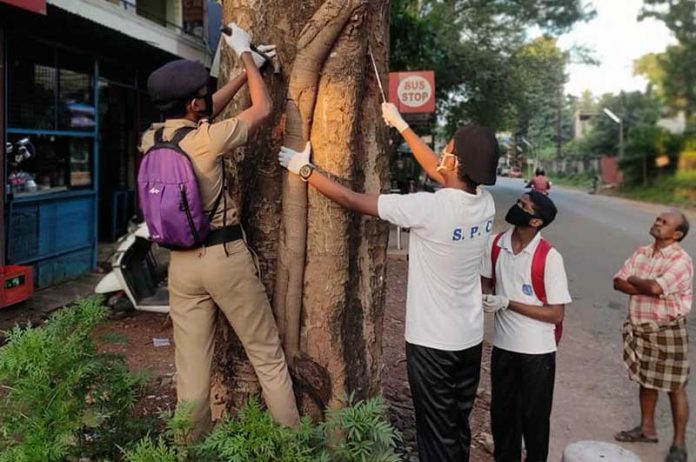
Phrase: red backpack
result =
(538, 270)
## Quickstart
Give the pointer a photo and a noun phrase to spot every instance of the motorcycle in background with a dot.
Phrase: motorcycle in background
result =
(135, 273)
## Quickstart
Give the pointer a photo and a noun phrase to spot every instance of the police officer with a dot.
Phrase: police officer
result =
(449, 230)
(222, 272)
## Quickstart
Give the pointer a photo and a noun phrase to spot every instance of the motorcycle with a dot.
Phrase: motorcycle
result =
(135, 273)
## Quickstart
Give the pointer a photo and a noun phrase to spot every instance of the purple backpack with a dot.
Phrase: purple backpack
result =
(169, 196)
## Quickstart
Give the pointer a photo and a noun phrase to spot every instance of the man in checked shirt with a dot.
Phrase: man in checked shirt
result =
(659, 280)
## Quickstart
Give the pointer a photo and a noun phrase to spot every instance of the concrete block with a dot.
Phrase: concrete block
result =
(597, 451)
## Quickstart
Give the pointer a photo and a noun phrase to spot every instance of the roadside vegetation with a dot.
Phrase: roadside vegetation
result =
(63, 399)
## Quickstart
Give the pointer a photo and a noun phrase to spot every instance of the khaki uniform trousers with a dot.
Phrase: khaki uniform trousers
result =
(199, 280)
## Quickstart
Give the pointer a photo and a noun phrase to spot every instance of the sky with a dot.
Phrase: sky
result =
(617, 38)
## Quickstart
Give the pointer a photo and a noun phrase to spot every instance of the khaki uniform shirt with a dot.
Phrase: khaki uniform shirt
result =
(204, 146)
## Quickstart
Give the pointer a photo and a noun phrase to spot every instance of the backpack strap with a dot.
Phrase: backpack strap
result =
(179, 135)
(158, 136)
(538, 274)
(539, 269)
(495, 253)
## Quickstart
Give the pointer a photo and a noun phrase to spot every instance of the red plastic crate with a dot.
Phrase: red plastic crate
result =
(16, 284)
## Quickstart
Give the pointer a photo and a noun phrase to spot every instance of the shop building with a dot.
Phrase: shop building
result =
(73, 99)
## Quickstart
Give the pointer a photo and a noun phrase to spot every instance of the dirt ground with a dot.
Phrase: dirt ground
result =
(149, 347)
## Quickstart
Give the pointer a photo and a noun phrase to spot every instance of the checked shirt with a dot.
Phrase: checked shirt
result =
(673, 270)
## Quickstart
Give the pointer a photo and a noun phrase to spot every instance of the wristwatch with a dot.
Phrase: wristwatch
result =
(306, 171)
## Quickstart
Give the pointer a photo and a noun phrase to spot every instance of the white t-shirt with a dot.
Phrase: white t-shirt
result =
(513, 331)
(449, 230)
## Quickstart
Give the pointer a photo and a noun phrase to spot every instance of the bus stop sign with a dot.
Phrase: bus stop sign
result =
(412, 92)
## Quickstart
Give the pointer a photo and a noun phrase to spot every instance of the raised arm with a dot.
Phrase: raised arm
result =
(225, 94)
(425, 156)
(261, 103)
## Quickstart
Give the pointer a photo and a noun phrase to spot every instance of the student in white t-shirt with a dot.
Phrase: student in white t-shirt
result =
(523, 362)
(449, 230)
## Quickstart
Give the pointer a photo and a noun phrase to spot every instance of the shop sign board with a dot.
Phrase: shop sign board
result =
(413, 92)
(36, 6)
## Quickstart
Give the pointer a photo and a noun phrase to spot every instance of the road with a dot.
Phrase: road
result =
(594, 397)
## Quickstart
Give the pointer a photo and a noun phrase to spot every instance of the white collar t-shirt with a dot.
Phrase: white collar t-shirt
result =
(449, 230)
(513, 331)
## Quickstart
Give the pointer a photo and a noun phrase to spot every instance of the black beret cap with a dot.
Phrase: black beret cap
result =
(177, 80)
(544, 207)
(477, 148)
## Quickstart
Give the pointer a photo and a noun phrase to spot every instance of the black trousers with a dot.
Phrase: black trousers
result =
(443, 386)
(521, 400)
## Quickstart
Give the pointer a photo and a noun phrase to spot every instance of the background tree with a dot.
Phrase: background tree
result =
(471, 46)
(334, 342)
(539, 70)
(644, 140)
(674, 71)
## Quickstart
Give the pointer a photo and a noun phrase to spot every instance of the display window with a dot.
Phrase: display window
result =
(32, 86)
(38, 164)
(51, 119)
(76, 93)
(49, 89)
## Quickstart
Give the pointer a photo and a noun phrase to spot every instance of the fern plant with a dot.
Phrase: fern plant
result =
(253, 436)
(357, 433)
(149, 450)
(60, 395)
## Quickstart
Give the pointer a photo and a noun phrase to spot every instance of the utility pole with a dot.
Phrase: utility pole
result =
(617, 120)
(559, 115)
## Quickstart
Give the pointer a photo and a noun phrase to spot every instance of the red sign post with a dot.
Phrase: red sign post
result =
(412, 92)
(37, 6)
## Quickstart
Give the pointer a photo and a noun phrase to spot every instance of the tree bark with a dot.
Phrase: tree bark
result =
(328, 291)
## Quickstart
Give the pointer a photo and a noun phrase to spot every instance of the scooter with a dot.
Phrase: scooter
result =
(135, 273)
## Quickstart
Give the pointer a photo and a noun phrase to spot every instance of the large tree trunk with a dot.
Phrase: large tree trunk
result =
(322, 266)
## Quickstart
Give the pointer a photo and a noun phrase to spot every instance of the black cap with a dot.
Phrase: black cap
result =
(477, 148)
(177, 80)
(544, 207)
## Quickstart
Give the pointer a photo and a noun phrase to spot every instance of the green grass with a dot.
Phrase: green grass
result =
(679, 190)
(580, 180)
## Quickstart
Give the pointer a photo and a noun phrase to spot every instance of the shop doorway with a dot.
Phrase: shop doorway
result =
(118, 141)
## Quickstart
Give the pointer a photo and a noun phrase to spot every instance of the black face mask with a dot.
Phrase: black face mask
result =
(208, 111)
(518, 216)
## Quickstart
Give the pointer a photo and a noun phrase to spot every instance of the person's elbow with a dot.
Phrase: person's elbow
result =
(618, 284)
(265, 108)
(558, 314)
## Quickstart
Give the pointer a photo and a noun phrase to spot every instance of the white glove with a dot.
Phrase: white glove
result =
(493, 303)
(239, 40)
(392, 117)
(293, 160)
(268, 50)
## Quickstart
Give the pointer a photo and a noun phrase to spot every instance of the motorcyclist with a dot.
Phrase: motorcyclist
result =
(540, 182)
